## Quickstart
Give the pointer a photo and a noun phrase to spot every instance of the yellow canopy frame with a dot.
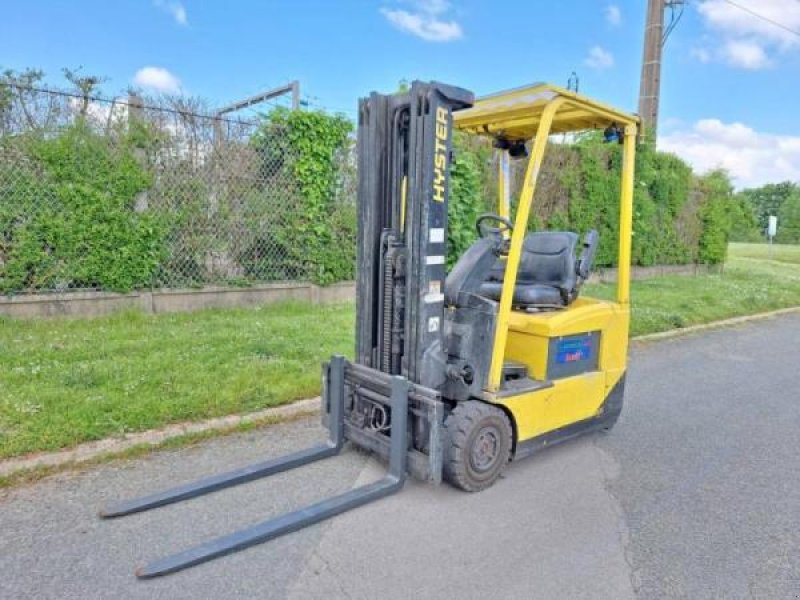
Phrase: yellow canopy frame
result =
(535, 112)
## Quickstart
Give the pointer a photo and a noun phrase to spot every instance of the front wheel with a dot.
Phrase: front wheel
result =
(477, 445)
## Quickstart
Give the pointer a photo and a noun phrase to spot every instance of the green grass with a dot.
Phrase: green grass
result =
(67, 381)
(780, 252)
(746, 286)
(63, 381)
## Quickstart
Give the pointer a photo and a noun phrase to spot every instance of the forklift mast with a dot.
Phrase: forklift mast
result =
(404, 149)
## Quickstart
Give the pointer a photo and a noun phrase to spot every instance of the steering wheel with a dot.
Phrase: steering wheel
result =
(486, 231)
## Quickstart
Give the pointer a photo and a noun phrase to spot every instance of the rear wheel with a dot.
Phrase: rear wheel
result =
(477, 445)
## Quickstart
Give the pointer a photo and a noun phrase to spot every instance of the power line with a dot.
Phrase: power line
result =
(674, 18)
(763, 18)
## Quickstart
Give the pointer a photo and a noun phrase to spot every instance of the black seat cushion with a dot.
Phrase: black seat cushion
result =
(547, 274)
(525, 294)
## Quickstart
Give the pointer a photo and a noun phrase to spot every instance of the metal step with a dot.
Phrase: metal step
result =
(514, 387)
(514, 370)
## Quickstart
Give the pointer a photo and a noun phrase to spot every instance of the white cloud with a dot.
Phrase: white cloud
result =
(737, 22)
(613, 15)
(745, 40)
(176, 9)
(745, 54)
(752, 158)
(426, 21)
(599, 58)
(435, 7)
(702, 54)
(157, 79)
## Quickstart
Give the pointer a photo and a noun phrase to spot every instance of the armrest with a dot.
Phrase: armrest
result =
(586, 261)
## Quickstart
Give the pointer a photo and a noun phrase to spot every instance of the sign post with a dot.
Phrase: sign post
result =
(772, 229)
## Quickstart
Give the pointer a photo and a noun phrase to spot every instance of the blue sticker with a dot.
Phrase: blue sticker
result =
(569, 351)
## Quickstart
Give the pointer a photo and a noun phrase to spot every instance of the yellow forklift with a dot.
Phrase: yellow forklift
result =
(572, 349)
(456, 374)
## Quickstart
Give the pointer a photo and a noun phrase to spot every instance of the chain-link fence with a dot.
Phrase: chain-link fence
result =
(131, 193)
(134, 193)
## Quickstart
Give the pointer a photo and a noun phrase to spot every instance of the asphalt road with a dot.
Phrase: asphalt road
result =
(695, 494)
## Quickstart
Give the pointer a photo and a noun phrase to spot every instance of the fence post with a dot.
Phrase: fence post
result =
(136, 115)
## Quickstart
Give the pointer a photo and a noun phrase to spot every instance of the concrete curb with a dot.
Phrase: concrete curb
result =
(664, 335)
(111, 446)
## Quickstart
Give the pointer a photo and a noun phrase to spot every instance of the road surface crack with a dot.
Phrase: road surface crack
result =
(604, 462)
(327, 566)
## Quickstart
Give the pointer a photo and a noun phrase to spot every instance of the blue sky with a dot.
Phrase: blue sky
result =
(727, 83)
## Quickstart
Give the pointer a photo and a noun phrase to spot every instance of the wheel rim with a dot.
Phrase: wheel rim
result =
(485, 449)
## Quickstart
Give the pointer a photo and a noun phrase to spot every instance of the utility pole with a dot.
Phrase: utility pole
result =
(655, 36)
(650, 84)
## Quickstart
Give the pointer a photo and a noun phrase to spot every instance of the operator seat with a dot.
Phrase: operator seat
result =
(549, 275)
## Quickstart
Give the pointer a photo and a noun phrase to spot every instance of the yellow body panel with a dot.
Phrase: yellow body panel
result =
(571, 399)
(529, 334)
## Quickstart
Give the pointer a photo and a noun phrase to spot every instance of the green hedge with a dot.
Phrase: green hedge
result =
(778, 199)
(467, 194)
(68, 214)
(679, 217)
(67, 218)
(789, 221)
(318, 233)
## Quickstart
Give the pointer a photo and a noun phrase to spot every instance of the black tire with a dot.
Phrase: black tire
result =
(477, 445)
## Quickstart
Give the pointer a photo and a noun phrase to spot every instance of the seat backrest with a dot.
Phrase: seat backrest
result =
(548, 258)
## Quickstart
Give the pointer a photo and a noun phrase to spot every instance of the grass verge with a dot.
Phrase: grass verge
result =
(780, 252)
(64, 382)
(746, 286)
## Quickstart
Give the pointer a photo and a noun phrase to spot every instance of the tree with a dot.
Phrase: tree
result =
(715, 216)
(789, 221)
(85, 84)
(193, 126)
(33, 111)
(744, 224)
(768, 199)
